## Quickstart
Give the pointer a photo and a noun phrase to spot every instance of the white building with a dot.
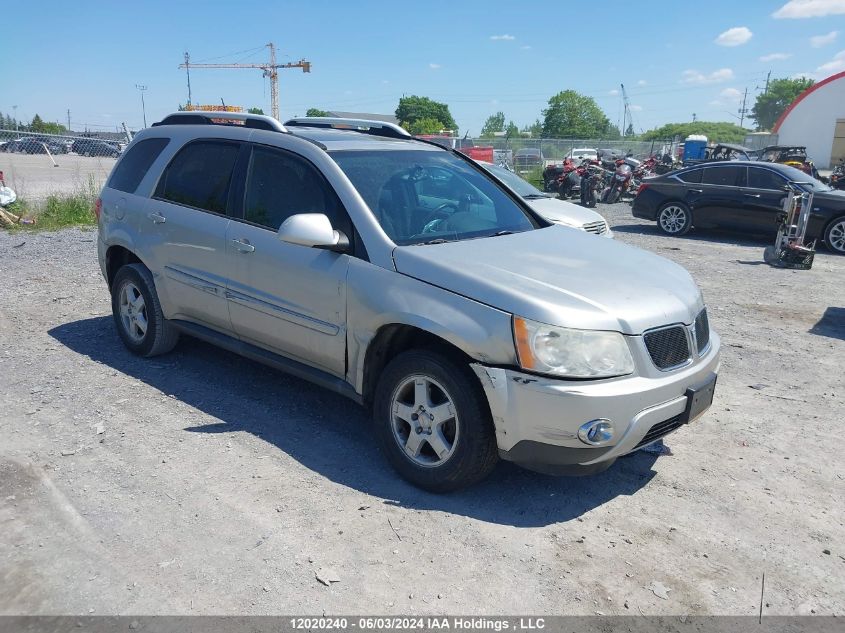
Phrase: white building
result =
(816, 119)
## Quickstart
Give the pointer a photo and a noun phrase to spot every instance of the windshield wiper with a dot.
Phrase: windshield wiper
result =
(535, 196)
(437, 240)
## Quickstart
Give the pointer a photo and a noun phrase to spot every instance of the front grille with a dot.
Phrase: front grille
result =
(660, 429)
(702, 331)
(668, 347)
(599, 228)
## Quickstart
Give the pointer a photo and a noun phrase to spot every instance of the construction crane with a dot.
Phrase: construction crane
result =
(271, 70)
(626, 116)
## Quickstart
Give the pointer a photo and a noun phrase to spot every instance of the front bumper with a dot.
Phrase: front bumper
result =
(537, 418)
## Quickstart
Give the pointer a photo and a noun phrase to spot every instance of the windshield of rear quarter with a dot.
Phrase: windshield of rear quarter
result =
(420, 196)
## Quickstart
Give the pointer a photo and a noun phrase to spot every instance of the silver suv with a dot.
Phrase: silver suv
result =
(404, 276)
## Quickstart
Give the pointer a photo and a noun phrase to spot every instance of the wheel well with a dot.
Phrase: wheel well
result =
(116, 258)
(391, 340)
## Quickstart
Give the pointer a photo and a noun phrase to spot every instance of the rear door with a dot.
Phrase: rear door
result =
(720, 203)
(763, 199)
(186, 222)
(284, 297)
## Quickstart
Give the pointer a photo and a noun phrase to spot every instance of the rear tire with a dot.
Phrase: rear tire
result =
(433, 421)
(834, 236)
(674, 218)
(137, 313)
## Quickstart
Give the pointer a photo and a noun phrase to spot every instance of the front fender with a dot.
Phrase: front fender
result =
(379, 297)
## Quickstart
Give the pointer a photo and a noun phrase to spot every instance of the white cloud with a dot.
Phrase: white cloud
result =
(503, 37)
(775, 57)
(434, 66)
(817, 41)
(717, 76)
(635, 108)
(642, 82)
(613, 92)
(835, 65)
(810, 9)
(716, 103)
(731, 94)
(526, 47)
(736, 36)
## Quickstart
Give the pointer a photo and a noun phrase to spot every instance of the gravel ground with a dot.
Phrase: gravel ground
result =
(203, 483)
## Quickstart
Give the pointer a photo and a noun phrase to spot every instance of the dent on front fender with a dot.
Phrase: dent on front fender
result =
(378, 297)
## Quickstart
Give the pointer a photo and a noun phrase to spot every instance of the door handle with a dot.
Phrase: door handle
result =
(696, 190)
(157, 218)
(243, 246)
(752, 195)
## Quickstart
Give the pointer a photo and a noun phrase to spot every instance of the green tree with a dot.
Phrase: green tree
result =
(412, 109)
(316, 112)
(535, 130)
(715, 131)
(512, 131)
(573, 115)
(46, 127)
(772, 103)
(255, 111)
(494, 123)
(426, 126)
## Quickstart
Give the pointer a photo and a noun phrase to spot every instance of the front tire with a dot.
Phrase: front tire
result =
(433, 422)
(834, 236)
(674, 218)
(137, 313)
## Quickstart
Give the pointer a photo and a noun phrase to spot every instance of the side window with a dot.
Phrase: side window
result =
(199, 175)
(765, 179)
(132, 168)
(280, 184)
(729, 175)
(693, 177)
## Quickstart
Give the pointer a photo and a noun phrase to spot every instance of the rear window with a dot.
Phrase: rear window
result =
(199, 175)
(130, 171)
(728, 175)
(693, 176)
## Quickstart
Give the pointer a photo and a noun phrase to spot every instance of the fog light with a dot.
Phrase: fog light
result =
(596, 432)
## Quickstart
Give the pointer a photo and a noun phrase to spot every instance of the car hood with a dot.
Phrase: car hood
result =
(560, 276)
(555, 210)
(835, 197)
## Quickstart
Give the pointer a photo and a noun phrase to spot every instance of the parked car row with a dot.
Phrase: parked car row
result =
(55, 145)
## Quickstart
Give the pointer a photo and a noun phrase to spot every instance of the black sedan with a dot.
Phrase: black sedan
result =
(738, 195)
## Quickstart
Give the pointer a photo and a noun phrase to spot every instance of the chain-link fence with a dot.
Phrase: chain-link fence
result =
(96, 144)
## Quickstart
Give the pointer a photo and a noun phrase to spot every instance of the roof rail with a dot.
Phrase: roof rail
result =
(376, 128)
(203, 117)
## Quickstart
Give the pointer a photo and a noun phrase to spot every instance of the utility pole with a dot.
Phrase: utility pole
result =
(693, 117)
(271, 70)
(15, 110)
(142, 88)
(68, 119)
(768, 76)
(743, 110)
(188, 71)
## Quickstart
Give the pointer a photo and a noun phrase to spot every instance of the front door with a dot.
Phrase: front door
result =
(764, 199)
(284, 297)
(720, 203)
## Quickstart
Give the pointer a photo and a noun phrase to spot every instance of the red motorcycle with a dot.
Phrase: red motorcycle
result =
(619, 182)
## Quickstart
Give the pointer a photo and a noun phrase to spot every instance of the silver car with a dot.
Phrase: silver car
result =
(400, 274)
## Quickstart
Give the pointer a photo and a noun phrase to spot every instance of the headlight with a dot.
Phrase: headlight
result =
(561, 351)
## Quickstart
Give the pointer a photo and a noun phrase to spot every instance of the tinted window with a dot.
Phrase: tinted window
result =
(280, 185)
(764, 179)
(693, 176)
(199, 175)
(728, 175)
(130, 171)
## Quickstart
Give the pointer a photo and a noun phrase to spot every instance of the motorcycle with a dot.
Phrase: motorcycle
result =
(591, 182)
(569, 181)
(619, 182)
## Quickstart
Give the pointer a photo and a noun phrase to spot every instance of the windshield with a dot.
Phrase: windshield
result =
(421, 196)
(520, 186)
(796, 175)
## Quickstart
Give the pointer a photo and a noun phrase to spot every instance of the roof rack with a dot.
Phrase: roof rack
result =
(203, 117)
(365, 126)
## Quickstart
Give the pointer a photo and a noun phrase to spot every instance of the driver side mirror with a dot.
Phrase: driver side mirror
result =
(313, 230)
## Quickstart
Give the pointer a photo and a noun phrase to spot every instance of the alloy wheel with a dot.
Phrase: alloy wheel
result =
(424, 421)
(133, 312)
(836, 236)
(673, 219)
